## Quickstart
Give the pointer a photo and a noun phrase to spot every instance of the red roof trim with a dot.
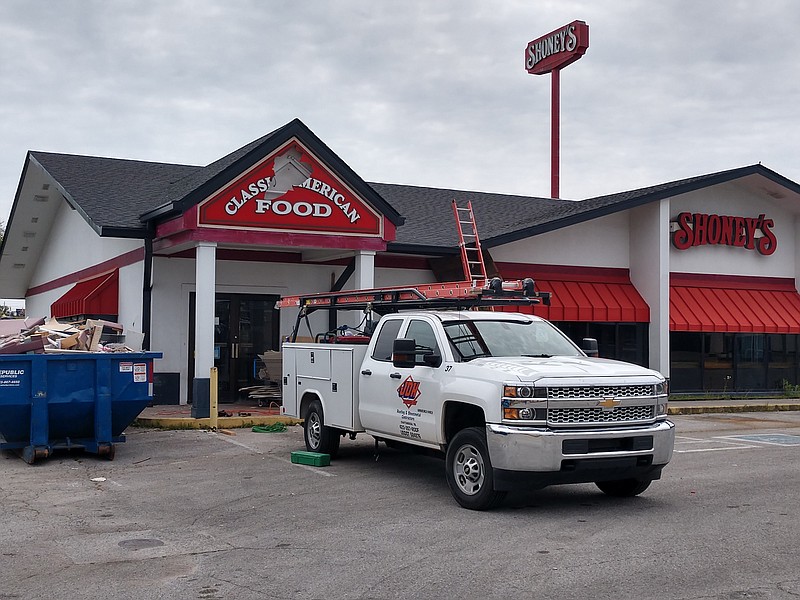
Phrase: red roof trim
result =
(268, 238)
(731, 281)
(571, 273)
(123, 260)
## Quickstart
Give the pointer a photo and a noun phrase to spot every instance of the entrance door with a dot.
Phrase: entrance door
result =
(245, 326)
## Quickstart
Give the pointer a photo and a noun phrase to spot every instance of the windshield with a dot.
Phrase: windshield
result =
(473, 339)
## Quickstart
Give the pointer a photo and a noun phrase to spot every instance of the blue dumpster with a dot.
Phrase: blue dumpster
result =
(50, 401)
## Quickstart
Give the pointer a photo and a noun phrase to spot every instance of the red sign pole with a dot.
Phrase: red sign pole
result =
(555, 132)
(549, 54)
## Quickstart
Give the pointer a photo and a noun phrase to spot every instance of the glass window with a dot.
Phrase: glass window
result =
(686, 355)
(423, 334)
(385, 341)
(473, 339)
(718, 363)
(750, 366)
(782, 365)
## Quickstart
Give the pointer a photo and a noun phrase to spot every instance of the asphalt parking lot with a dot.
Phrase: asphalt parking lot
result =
(196, 514)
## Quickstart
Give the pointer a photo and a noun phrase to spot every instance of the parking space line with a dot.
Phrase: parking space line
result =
(687, 445)
(315, 470)
(770, 439)
(714, 449)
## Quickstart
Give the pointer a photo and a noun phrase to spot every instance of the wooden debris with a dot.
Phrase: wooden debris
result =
(53, 336)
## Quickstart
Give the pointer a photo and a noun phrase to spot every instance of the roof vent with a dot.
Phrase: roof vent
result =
(28, 234)
(34, 219)
(45, 186)
(40, 198)
(19, 265)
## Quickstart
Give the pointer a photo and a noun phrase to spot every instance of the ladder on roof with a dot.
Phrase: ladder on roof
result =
(470, 244)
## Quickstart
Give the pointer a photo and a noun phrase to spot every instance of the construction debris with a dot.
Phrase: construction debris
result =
(269, 394)
(91, 335)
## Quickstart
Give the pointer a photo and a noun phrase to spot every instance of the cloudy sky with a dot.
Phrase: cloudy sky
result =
(415, 91)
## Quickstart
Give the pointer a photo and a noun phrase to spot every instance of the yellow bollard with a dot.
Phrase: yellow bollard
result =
(214, 399)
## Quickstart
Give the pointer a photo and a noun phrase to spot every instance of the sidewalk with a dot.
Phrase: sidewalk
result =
(734, 405)
(232, 416)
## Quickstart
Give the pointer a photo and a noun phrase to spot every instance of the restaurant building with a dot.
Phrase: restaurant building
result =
(697, 278)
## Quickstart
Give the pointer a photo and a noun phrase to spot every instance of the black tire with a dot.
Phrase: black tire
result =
(318, 436)
(623, 488)
(469, 470)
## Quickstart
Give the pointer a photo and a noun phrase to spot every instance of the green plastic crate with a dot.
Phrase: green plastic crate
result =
(315, 459)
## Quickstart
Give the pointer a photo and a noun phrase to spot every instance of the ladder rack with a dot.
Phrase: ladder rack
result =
(458, 295)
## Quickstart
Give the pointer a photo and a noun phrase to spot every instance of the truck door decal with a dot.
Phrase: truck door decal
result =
(409, 392)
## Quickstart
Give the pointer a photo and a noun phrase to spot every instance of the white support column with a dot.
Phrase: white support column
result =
(205, 288)
(364, 276)
(649, 268)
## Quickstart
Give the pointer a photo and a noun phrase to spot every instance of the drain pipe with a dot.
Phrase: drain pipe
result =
(147, 287)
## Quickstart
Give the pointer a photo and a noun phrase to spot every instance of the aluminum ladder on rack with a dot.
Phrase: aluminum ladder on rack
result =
(470, 244)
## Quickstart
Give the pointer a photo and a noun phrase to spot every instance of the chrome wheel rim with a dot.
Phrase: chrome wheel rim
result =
(469, 470)
(313, 430)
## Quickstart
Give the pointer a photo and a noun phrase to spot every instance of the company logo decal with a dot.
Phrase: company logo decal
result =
(290, 191)
(409, 392)
(700, 229)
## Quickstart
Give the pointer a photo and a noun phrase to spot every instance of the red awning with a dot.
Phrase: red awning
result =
(96, 296)
(733, 304)
(583, 294)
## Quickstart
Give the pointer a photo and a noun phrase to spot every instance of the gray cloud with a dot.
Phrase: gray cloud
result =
(425, 93)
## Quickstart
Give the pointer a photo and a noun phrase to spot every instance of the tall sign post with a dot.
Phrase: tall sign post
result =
(549, 54)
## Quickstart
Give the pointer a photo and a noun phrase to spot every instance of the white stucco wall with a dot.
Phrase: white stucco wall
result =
(732, 200)
(649, 271)
(602, 242)
(72, 246)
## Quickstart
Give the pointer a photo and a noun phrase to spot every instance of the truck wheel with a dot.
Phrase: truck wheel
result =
(623, 488)
(469, 470)
(318, 436)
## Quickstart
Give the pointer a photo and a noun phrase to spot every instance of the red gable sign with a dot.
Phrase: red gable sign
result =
(290, 191)
(557, 49)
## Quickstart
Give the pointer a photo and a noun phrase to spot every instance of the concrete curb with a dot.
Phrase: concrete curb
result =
(677, 409)
(222, 422)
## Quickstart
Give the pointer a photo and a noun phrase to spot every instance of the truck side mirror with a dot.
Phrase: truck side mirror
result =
(404, 353)
(589, 346)
(433, 359)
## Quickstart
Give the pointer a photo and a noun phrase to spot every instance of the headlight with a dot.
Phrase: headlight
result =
(662, 393)
(524, 403)
(661, 408)
(524, 391)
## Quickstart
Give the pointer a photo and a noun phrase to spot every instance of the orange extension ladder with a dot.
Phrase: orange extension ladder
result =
(471, 254)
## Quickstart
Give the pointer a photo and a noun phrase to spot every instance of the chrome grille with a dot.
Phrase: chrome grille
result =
(582, 416)
(599, 391)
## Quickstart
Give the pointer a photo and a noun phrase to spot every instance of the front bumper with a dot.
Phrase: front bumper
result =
(529, 458)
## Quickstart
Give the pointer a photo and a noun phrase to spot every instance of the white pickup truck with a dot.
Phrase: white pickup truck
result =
(507, 398)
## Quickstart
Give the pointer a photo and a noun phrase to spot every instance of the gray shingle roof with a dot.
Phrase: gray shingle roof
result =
(111, 193)
(429, 214)
(114, 194)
